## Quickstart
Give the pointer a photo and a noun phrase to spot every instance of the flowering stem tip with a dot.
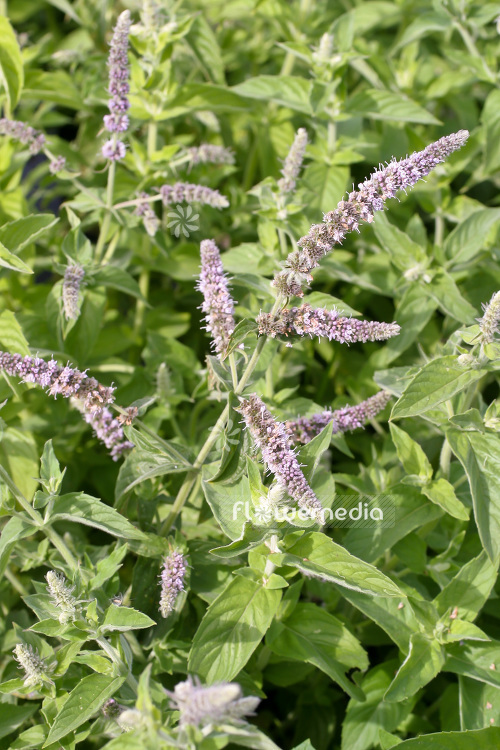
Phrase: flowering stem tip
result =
(218, 304)
(172, 581)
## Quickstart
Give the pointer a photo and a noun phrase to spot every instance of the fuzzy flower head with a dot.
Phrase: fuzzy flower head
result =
(304, 429)
(361, 206)
(293, 162)
(35, 669)
(117, 120)
(114, 150)
(488, 324)
(274, 442)
(208, 153)
(186, 192)
(23, 133)
(65, 381)
(73, 277)
(218, 304)
(307, 321)
(200, 706)
(172, 581)
(62, 596)
(57, 164)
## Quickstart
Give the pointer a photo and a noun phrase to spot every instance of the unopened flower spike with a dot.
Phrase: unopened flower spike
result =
(488, 324)
(200, 705)
(35, 668)
(65, 381)
(218, 304)
(308, 321)
(304, 429)
(187, 192)
(360, 206)
(172, 581)
(209, 153)
(73, 277)
(117, 121)
(62, 596)
(274, 442)
(293, 162)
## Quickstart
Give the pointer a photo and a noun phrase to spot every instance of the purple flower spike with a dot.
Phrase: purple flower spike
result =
(172, 581)
(73, 277)
(208, 153)
(23, 133)
(293, 162)
(114, 150)
(274, 442)
(117, 121)
(348, 418)
(306, 320)
(218, 304)
(109, 431)
(360, 206)
(66, 381)
(186, 192)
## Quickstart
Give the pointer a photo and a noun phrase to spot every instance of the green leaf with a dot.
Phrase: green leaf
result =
(485, 739)
(231, 630)
(317, 554)
(469, 589)
(124, 618)
(404, 252)
(83, 702)
(411, 454)
(22, 232)
(141, 465)
(441, 493)
(327, 182)
(386, 105)
(288, 91)
(424, 661)
(118, 279)
(9, 260)
(15, 529)
(363, 721)
(480, 661)
(12, 717)
(479, 454)
(12, 338)
(66, 7)
(85, 509)
(468, 238)
(229, 502)
(312, 635)
(478, 704)
(435, 382)
(443, 290)
(11, 64)
(55, 86)
(206, 48)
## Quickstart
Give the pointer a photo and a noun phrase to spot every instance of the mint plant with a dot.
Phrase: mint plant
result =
(249, 456)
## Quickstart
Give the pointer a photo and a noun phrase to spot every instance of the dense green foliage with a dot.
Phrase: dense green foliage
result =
(354, 637)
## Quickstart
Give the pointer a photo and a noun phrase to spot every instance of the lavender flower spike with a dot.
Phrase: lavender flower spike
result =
(218, 304)
(306, 320)
(186, 192)
(360, 206)
(293, 162)
(73, 277)
(117, 121)
(273, 440)
(209, 153)
(66, 381)
(488, 324)
(23, 133)
(172, 581)
(200, 705)
(303, 429)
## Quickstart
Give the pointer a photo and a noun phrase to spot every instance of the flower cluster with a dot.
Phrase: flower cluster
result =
(208, 153)
(274, 442)
(303, 429)
(218, 304)
(323, 53)
(108, 430)
(117, 121)
(488, 324)
(57, 164)
(360, 206)
(172, 581)
(293, 162)
(35, 669)
(199, 706)
(62, 596)
(149, 217)
(66, 381)
(73, 277)
(186, 192)
(306, 320)
(23, 133)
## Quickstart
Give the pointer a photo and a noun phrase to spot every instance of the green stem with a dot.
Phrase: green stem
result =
(152, 136)
(234, 372)
(141, 306)
(107, 217)
(115, 658)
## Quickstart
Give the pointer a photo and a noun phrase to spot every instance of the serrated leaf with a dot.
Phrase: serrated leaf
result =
(83, 702)
(468, 238)
(85, 509)
(124, 618)
(9, 260)
(17, 234)
(11, 64)
(119, 279)
(469, 589)
(12, 338)
(424, 661)
(441, 492)
(387, 105)
(231, 629)
(486, 739)
(411, 454)
(288, 91)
